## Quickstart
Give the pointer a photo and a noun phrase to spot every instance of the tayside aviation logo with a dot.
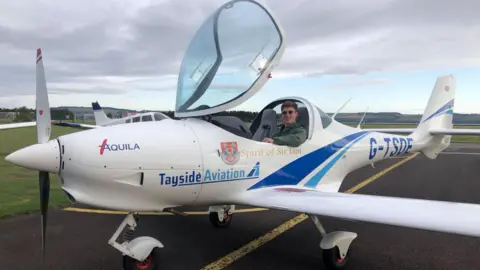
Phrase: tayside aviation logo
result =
(211, 176)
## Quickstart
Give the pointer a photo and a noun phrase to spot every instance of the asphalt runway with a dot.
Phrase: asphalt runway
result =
(79, 240)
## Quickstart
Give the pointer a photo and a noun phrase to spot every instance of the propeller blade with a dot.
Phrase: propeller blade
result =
(44, 126)
(44, 183)
(43, 116)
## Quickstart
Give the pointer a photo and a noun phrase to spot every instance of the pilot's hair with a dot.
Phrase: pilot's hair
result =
(289, 103)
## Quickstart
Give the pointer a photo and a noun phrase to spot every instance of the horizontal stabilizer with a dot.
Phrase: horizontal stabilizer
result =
(454, 131)
(450, 217)
(432, 131)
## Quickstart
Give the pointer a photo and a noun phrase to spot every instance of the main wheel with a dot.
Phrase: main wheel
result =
(152, 262)
(227, 219)
(332, 259)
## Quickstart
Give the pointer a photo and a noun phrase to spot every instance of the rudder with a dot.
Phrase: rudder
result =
(438, 114)
(100, 117)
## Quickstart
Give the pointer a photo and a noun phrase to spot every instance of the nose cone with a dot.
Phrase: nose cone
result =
(40, 157)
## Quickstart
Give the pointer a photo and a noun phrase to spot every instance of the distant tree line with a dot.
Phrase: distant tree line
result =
(27, 114)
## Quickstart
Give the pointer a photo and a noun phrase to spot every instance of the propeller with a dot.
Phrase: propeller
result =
(43, 156)
(43, 119)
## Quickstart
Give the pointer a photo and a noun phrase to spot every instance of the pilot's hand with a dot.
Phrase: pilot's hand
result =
(268, 140)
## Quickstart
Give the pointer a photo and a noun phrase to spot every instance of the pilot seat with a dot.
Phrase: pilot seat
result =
(268, 125)
(302, 118)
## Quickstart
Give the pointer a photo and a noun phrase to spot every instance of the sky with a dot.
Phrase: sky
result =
(384, 55)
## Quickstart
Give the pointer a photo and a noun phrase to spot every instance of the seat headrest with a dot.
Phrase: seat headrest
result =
(267, 126)
(269, 116)
(302, 118)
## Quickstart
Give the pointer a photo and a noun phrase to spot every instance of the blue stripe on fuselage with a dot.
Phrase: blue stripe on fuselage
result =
(297, 170)
(313, 182)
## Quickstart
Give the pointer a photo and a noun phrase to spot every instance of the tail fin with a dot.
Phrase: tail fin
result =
(100, 117)
(437, 115)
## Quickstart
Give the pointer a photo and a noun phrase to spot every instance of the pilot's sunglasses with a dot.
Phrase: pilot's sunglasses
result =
(289, 112)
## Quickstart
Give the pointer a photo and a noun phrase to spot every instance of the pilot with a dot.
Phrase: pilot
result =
(290, 133)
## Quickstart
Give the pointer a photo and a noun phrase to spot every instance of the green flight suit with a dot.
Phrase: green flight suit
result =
(293, 135)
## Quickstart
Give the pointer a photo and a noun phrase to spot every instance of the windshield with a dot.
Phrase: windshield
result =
(158, 116)
(226, 56)
(326, 120)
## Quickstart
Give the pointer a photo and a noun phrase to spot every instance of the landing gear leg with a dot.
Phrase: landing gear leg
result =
(335, 245)
(139, 253)
(221, 215)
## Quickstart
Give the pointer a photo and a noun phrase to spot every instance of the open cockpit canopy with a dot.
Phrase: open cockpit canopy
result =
(229, 59)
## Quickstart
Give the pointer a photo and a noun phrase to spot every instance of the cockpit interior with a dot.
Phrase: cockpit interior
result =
(264, 125)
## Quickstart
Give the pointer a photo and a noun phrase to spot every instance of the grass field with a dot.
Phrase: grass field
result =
(19, 192)
(19, 187)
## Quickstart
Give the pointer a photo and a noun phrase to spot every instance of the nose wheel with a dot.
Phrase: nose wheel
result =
(221, 216)
(140, 253)
(150, 263)
(333, 260)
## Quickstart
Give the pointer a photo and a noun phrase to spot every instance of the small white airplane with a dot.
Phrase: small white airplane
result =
(102, 120)
(216, 161)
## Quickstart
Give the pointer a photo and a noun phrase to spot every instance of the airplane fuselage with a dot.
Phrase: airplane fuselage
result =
(171, 163)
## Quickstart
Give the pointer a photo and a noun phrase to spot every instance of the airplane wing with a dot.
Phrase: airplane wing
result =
(32, 124)
(74, 125)
(18, 125)
(450, 217)
(455, 131)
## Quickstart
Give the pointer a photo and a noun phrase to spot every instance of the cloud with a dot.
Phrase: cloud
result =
(358, 37)
(116, 46)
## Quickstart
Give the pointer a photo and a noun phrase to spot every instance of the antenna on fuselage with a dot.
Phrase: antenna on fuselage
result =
(359, 123)
(345, 104)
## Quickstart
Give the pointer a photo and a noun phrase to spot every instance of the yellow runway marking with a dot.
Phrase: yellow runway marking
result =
(378, 175)
(237, 254)
(113, 212)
